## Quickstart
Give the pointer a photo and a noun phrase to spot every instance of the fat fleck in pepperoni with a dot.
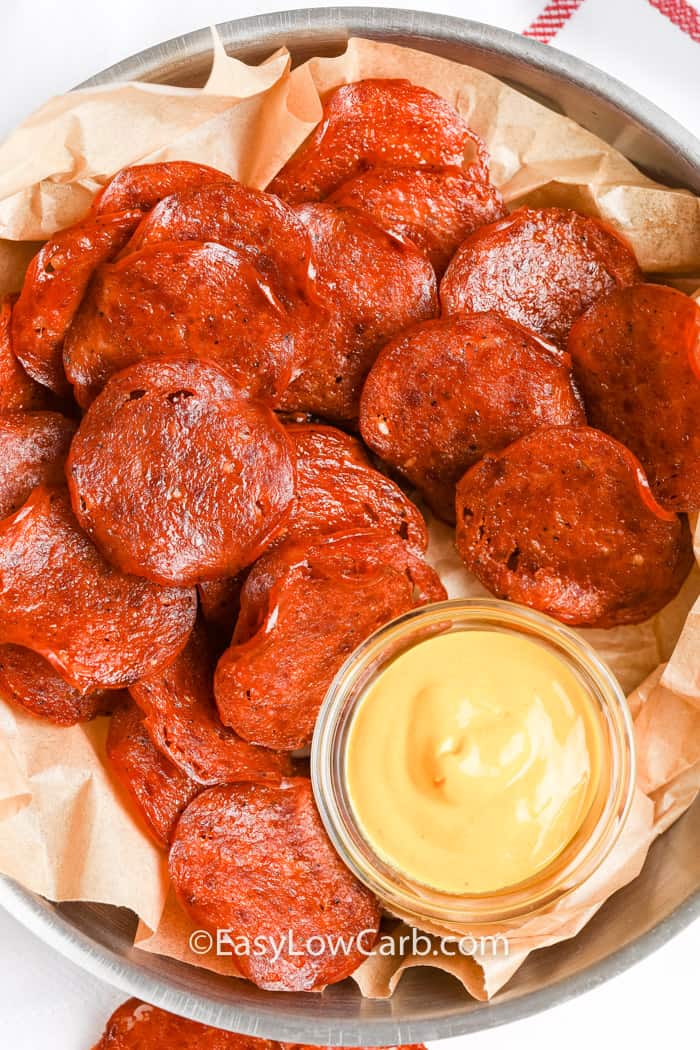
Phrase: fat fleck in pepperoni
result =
(18, 391)
(636, 356)
(31, 682)
(444, 393)
(368, 287)
(304, 608)
(264, 229)
(198, 300)
(53, 289)
(61, 599)
(540, 268)
(255, 860)
(388, 123)
(143, 185)
(436, 208)
(177, 475)
(337, 488)
(183, 722)
(158, 787)
(33, 450)
(563, 520)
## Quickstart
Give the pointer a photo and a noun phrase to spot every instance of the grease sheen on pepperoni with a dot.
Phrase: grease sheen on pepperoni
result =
(337, 488)
(542, 268)
(18, 391)
(636, 355)
(177, 475)
(184, 724)
(255, 860)
(391, 123)
(33, 450)
(304, 608)
(141, 186)
(160, 790)
(436, 208)
(61, 599)
(30, 681)
(53, 289)
(445, 392)
(563, 520)
(368, 286)
(199, 300)
(262, 227)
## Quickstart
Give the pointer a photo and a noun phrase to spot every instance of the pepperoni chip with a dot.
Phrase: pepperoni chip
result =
(564, 521)
(139, 1026)
(446, 392)
(542, 268)
(260, 226)
(177, 475)
(386, 123)
(198, 300)
(158, 787)
(31, 682)
(54, 286)
(369, 286)
(436, 208)
(183, 722)
(255, 860)
(337, 488)
(143, 185)
(636, 356)
(18, 391)
(60, 598)
(33, 450)
(304, 608)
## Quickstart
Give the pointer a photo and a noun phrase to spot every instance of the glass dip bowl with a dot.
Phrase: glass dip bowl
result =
(584, 853)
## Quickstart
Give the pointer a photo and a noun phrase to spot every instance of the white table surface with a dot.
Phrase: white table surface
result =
(46, 46)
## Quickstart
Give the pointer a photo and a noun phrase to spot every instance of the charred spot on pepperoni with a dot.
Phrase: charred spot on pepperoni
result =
(255, 859)
(562, 520)
(446, 392)
(636, 357)
(224, 470)
(541, 268)
(270, 683)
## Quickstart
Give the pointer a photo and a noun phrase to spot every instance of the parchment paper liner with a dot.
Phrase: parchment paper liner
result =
(66, 831)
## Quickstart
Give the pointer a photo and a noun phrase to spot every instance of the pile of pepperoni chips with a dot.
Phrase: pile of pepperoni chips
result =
(209, 397)
(138, 1026)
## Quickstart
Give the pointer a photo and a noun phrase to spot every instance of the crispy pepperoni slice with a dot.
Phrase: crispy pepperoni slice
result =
(33, 450)
(18, 391)
(199, 300)
(264, 229)
(255, 860)
(143, 185)
(436, 208)
(159, 788)
(337, 488)
(54, 287)
(31, 682)
(542, 268)
(387, 123)
(62, 600)
(444, 393)
(304, 608)
(177, 475)
(563, 520)
(368, 287)
(636, 356)
(184, 724)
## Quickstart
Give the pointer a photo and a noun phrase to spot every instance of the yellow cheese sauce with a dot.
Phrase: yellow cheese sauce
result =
(472, 760)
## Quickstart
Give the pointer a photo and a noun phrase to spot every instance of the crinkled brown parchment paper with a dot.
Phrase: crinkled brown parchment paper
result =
(66, 831)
